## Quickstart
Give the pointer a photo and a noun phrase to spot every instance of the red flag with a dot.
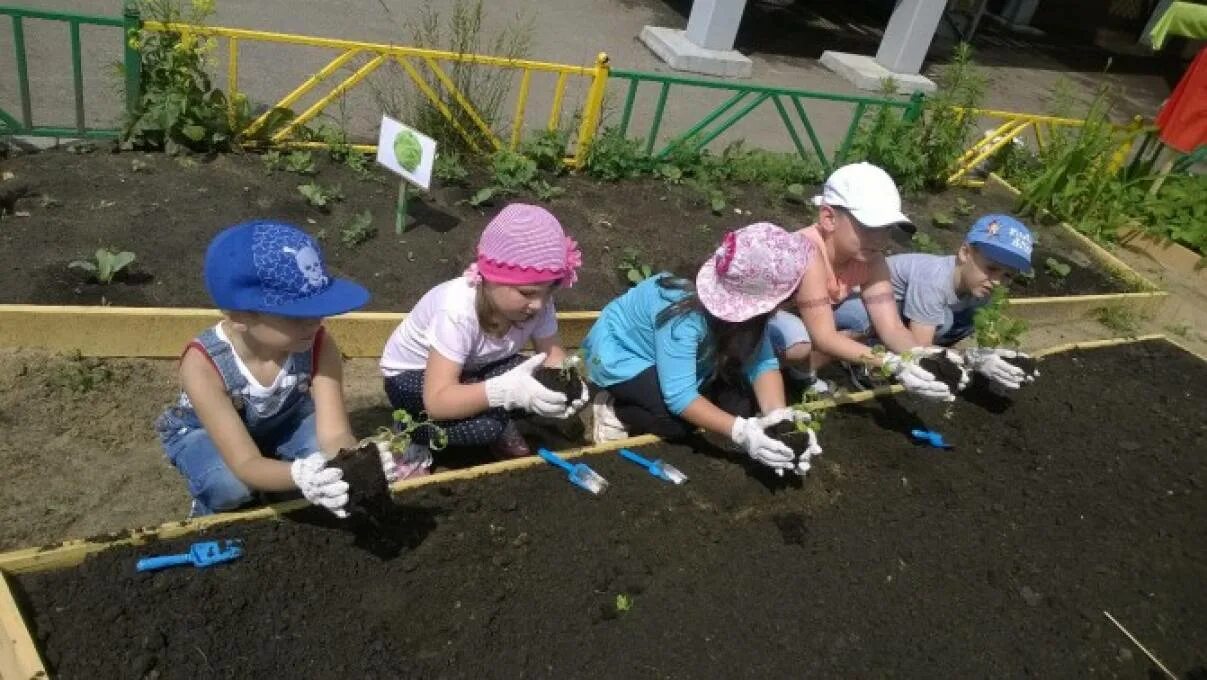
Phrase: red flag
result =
(1183, 119)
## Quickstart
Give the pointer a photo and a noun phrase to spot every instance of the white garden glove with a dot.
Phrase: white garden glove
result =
(748, 434)
(518, 389)
(319, 484)
(914, 378)
(992, 364)
(780, 415)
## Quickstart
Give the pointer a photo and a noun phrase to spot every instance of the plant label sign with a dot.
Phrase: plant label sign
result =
(406, 151)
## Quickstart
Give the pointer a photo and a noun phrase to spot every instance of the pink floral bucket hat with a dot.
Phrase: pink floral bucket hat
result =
(755, 269)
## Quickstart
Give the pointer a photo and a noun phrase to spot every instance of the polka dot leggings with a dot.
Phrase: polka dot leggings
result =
(405, 390)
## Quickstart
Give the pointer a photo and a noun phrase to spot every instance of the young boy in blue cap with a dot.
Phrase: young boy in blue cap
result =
(262, 391)
(938, 295)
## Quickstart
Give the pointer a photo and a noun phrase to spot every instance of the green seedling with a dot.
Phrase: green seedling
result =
(320, 196)
(81, 374)
(300, 162)
(106, 265)
(545, 191)
(449, 169)
(398, 437)
(137, 165)
(672, 174)
(623, 603)
(1057, 269)
(272, 161)
(994, 327)
(634, 270)
(358, 230)
(796, 193)
(943, 220)
(963, 207)
(923, 243)
(1119, 319)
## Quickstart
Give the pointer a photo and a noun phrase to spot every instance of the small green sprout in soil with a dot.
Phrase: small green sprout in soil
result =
(272, 160)
(1119, 319)
(300, 162)
(924, 243)
(398, 437)
(632, 268)
(1057, 269)
(81, 374)
(623, 603)
(358, 230)
(796, 193)
(137, 165)
(943, 220)
(449, 169)
(106, 265)
(1180, 329)
(994, 327)
(963, 207)
(320, 196)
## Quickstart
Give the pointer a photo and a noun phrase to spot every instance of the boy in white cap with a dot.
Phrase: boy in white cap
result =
(856, 210)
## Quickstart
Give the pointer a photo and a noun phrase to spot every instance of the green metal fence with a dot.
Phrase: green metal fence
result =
(25, 125)
(750, 96)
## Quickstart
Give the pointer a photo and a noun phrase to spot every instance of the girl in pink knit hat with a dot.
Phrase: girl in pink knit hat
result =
(672, 356)
(456, 356)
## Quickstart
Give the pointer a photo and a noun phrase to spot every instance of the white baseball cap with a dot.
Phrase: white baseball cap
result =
(868, 193)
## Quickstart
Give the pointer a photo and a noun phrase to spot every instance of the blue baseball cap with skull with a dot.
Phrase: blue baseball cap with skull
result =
(275, 268)
(1004, 240)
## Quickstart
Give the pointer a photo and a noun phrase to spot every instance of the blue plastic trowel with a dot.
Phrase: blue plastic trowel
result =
(930, 438)
(659, 469)
(580, 475)
(201, 554)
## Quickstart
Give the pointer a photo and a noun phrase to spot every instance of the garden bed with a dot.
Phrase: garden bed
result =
(165, 210)
(995, 559)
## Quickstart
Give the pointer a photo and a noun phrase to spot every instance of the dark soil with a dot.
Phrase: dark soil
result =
(788, 434)
(1028, 364)
(944, 370)
(168, 210)
(553, 378)
(1084, 494)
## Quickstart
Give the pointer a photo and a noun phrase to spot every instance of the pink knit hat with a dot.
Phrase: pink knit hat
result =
(755, 269)
(524, 245)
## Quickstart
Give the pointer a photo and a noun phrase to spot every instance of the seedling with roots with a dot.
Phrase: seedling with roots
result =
(994, 328)
(398, 437)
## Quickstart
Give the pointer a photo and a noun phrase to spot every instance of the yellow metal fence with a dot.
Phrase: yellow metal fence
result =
(415, 63)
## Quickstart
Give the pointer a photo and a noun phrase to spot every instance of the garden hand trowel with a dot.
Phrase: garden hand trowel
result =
(200, 554)
(657, 468)
(930, 438)
(580, 475)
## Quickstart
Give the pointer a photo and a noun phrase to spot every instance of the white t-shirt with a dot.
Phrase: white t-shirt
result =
(445, 320)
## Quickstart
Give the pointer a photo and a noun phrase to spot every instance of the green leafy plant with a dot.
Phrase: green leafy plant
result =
(358, 230)
(924, 243)
(449, 169)
(963, 207)
(106, 265)
(272, 160)
(1057, 269)
(612, 157)
(623, 603)
(299, 162)
(398, 437)
(817, 417)
(512, 173)
(943, 220)
(545, 191)
(796, 193)
(1119, 319)
(178, 106)
(548, 149)
(81, 374)
(320, 196)
(994, 327)
(632, 268)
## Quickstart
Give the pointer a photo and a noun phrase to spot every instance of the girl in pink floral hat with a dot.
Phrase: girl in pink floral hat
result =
(456, 356)
(671, 356)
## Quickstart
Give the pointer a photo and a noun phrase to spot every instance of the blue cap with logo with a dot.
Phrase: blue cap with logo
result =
(1004, 240)
(275, 268)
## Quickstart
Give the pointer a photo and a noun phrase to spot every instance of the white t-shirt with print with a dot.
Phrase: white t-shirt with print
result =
(446, 320)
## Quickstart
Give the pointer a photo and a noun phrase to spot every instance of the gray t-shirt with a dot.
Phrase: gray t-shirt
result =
(923, 287)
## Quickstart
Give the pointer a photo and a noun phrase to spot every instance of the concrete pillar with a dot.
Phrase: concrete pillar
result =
(908, 35)
(713, 24)
(707, 44)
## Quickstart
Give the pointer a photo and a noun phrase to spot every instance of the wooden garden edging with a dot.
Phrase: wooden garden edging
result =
(19, 656)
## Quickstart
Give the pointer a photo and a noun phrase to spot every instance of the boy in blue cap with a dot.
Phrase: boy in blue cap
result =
(938, 295)
(262, 391)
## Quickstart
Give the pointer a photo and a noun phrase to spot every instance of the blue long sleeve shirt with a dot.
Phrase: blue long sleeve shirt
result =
(627, 340)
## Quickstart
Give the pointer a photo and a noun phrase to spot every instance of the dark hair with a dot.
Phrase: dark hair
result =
(729, 343)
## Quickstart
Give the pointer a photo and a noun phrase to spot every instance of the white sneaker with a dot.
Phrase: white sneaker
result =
(600, 420)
